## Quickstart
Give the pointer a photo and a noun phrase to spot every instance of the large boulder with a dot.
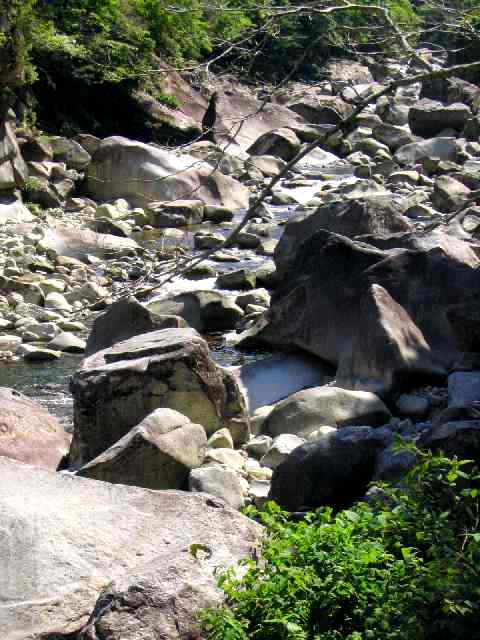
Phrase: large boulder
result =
(387, 350)
(334, 470)
(441, 148)
(456, 438)
(205, 311)
(394, 137)
(13, 210)
(142, 173)
(281, 143)
(88, 559)
(71, 152)
(119, 386)
(28, 433)
(463, 388)
(428, 118)
(318, 308)
(378, 215)
(156, 454)
(304, 412)
(13, 169)
(78, 243)
(237, 117)
(320, 109)
(125, 319)
(449, 194)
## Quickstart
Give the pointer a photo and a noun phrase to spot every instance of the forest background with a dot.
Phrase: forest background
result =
(116, 46)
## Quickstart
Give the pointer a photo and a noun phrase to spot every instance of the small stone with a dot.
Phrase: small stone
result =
(221, 439)
(282, 446)
(68, 343)
(228, 457)
(239, 279)
(9, 343)
(38, 354)
(259, 446)
(54, 300)
(218, 481)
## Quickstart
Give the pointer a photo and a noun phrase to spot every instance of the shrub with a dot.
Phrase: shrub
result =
(169, 100)
(405, 566)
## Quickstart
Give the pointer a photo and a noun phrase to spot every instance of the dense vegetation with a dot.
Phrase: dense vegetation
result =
(114, 40)
(97, 52)
(403, 567)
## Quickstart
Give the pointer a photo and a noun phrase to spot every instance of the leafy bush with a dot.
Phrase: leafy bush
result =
(403, 567)
(169, 100)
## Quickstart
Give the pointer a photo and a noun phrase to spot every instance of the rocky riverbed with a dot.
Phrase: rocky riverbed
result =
(286, 366)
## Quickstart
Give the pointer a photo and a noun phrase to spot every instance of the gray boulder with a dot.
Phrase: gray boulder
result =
(220, 482)
(140, 565)
(205, 311)
(175, 214)
(156, 454)
(242, 279)
(378, 215)
(70, 152)
(125, 319)
(456, 438)
(442, 148)
(141, 173)
(427, 118)
(394, 137)
(334, 470)
(387, 349)
(77, 243)
(280, 143)
(234, 103)
(464, 388)
(67, 342)
(321, 109)
(318, 306)
(268, 165)
(449, 194)
(305, 411)
(281, 447)
(116, 388)
(13, 169)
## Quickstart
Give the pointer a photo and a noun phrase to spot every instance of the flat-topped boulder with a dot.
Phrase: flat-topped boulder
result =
(80, 555)
(119, 386)
(123, 320)
(428, 118)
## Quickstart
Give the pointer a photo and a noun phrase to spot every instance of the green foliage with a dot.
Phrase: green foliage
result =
(169, 100)
(311, 38)
(92, 40)
(403, 568)
(34, 184)
(191, 28)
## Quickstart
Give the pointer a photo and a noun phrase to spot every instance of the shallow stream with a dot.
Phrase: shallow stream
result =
(49, 383)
